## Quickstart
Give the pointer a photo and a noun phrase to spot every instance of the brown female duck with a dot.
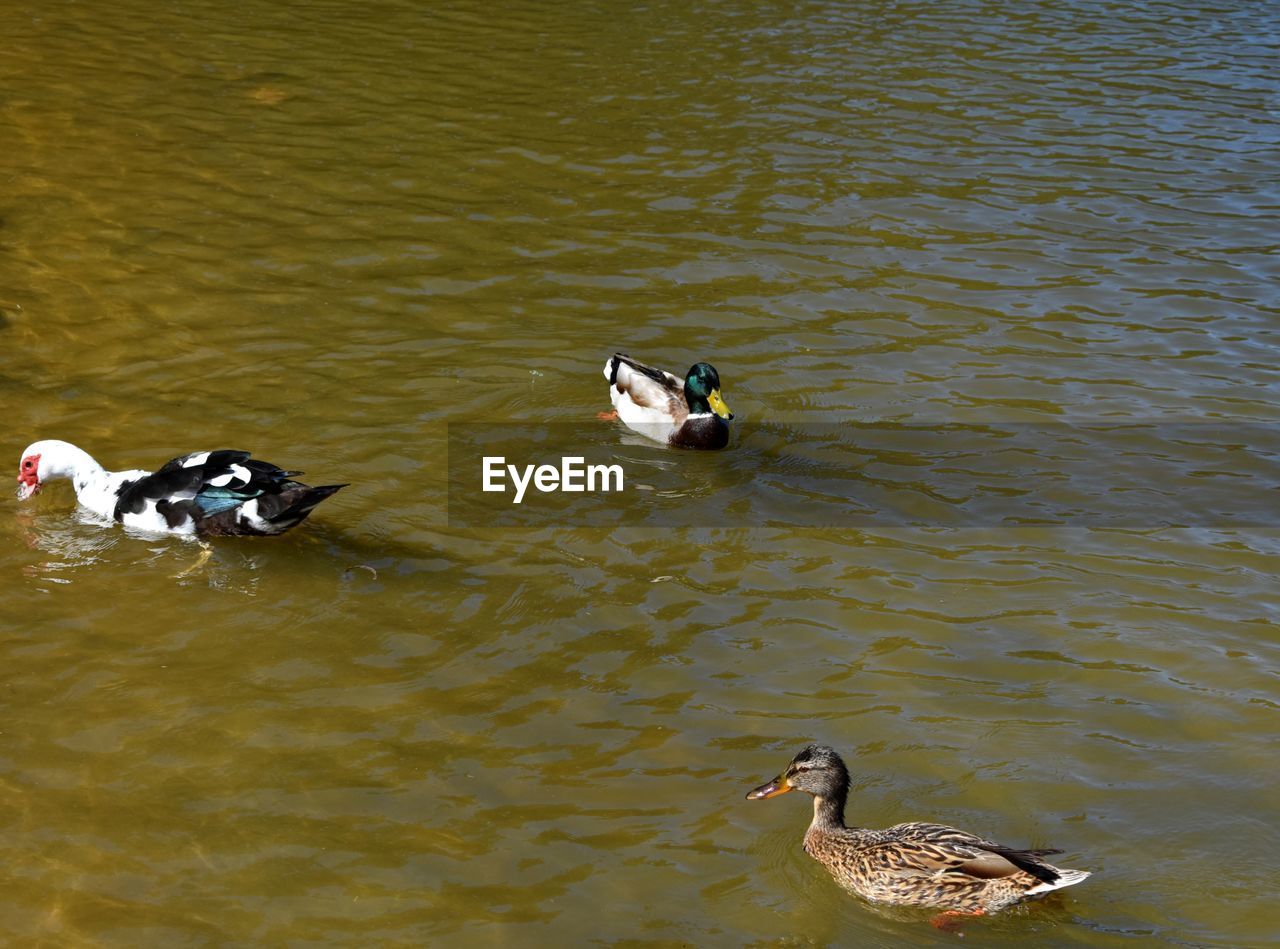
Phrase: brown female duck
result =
(916, 864)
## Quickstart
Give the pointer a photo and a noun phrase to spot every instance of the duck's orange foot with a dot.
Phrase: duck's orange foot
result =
(950, 921)
(607, 416)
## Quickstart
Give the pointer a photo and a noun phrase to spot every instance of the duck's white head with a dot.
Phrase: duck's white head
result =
(43, 460)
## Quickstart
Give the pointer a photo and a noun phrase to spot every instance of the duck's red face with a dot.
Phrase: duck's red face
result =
(29, 476)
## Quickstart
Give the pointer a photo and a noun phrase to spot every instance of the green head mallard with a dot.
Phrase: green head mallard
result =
(688, 414)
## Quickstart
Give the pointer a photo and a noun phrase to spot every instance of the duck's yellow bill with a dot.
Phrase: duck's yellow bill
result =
(716, 402)
(769, 789)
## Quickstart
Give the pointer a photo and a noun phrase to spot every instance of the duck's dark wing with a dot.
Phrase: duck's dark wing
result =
(209, 481)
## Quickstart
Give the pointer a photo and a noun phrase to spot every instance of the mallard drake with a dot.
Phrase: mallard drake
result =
(208, 492)
(915, 864)
(688, 414)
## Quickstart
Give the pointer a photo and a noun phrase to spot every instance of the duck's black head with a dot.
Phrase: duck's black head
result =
(702, 390)
(816, 770)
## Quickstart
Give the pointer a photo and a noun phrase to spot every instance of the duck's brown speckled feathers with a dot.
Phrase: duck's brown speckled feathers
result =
(921, 864)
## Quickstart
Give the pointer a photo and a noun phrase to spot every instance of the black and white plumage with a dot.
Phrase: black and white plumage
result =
(207, 493)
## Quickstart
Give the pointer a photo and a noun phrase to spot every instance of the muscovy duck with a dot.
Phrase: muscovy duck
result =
(688, 413)
(206, 493)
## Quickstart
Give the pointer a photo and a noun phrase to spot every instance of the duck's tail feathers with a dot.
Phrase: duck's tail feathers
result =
(299, 504)
(612, 364)
(618, 362)
(1065, 878)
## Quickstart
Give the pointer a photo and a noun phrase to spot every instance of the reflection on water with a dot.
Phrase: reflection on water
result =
(341, 235)
(70, 541)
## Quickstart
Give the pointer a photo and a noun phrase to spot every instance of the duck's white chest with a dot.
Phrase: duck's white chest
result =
(99, 492)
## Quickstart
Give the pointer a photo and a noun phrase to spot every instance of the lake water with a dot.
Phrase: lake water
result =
(349, 237)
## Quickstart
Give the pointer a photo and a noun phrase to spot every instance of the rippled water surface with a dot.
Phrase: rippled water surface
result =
(335, 233)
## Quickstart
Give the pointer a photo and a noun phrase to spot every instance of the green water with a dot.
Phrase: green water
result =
(332, 233)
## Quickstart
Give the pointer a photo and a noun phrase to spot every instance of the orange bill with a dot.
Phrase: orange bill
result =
(772, 788)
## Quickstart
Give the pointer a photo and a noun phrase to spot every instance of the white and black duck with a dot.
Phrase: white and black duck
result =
(688, 413)
(205, 493)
